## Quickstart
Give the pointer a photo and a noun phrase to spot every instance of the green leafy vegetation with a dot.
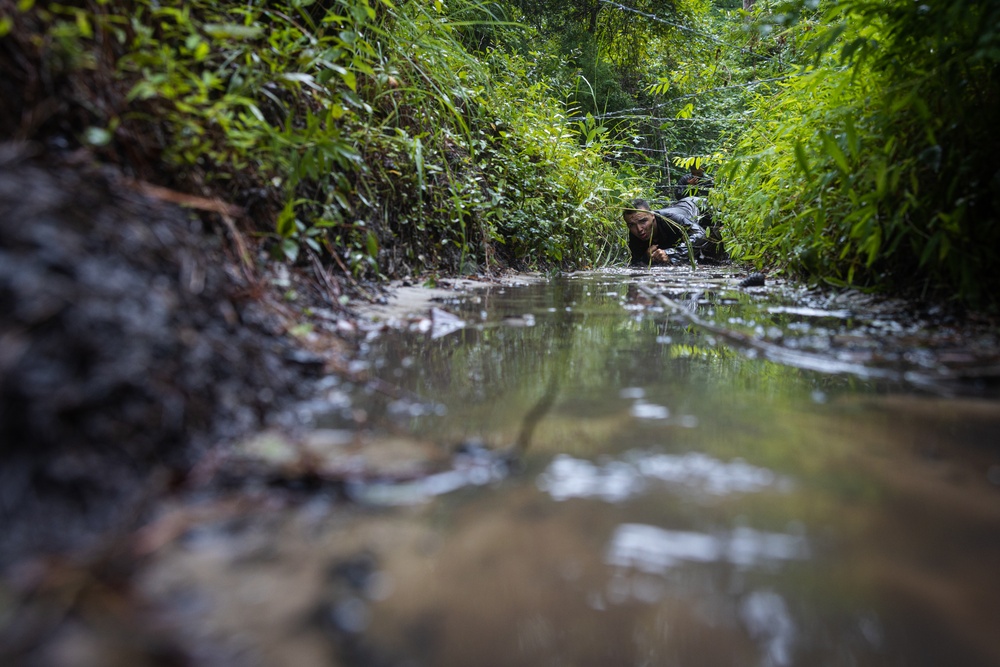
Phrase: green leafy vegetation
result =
(366, 132)
(851, 141)
(874, 165)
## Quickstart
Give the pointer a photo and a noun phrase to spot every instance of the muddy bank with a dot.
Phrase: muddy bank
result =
(402, 299)
(134, 346)
(131, 339)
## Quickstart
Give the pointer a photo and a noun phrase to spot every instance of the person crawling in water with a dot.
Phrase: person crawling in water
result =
(663, 236)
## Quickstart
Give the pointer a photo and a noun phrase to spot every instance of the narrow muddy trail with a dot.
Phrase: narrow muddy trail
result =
(606, 468)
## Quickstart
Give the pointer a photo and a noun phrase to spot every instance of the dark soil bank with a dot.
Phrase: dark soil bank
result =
(125, 346)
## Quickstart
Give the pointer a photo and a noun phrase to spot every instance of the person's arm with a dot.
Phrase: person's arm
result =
(696, 235)
(684, 215)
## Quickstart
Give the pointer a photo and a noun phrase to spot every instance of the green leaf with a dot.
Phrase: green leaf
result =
(350, 80)
(833, 150)
(802, 160)
(286, 220)
(232, 31)
(857, 44)
(290, 248)
(932, 244)
(418, 160)
(83, 25)
(853, 142)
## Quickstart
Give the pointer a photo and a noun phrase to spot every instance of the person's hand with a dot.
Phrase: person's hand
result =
(658, 255)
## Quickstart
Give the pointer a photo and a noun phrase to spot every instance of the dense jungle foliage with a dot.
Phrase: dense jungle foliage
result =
(877, 161)
(850, 140)
(390, 138)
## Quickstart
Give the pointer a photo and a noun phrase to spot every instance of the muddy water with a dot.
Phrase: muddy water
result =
(572, 473)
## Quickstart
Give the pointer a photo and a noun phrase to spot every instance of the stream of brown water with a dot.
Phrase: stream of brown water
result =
(671, 500)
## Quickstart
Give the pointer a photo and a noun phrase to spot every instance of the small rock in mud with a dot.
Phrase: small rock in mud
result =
(753, 280)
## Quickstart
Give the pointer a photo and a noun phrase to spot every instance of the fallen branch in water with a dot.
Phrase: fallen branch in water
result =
(781, 354)
(944, 382)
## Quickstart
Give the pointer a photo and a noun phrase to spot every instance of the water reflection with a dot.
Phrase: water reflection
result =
(680, 503)
(655, 550)
(694, 473)
(472, 465)
(765, 616)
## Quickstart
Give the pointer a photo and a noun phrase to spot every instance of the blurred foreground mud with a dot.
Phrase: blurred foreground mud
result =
(127, 342)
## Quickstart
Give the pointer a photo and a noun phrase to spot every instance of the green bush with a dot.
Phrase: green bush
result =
(877, 166)
(358, 130)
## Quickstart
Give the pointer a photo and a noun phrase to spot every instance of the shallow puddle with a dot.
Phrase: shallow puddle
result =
(589, 478)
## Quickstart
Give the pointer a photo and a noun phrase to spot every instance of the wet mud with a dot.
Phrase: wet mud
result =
(128, 344)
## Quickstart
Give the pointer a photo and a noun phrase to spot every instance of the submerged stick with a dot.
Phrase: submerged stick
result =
(779, 353)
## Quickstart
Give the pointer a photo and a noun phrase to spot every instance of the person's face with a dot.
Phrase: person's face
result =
(640, 224)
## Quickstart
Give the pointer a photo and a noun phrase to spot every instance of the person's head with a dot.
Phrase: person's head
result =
(639, 219)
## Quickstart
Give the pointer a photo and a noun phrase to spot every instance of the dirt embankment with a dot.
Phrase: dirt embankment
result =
(130, 338)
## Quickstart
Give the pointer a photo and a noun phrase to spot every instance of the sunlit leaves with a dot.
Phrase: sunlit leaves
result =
(802, 160)
(661, 86)
(232, 31)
